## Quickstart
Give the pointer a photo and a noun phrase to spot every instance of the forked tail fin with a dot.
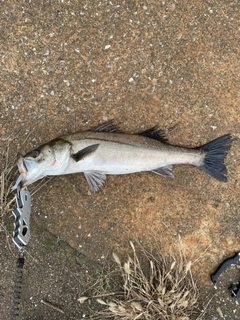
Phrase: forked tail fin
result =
(216, 152)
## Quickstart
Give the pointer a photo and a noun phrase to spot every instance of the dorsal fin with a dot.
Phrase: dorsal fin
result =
(155, 133)
(108, 126)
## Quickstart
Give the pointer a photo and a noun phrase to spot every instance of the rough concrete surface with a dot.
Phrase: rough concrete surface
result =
(67, 66)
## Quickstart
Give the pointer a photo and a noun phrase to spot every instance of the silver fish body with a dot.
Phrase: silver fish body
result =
(122, 153)
(106, 151)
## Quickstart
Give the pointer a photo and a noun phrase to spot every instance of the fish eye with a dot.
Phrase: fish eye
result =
(36, 153)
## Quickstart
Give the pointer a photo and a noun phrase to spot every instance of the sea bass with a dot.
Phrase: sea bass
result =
(106, 150)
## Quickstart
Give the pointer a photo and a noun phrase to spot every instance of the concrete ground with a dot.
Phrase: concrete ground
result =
(66, 66)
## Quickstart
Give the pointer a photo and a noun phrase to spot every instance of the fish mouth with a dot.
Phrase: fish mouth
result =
(24, 167)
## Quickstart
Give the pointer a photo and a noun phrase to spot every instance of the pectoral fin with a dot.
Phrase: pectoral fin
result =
(164, 171)
(81, 154)
(95, 180)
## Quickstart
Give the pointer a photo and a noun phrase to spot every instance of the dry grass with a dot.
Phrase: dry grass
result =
(154, 287)
(8, 174)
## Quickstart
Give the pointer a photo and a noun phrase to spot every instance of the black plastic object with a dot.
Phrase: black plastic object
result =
(223, 266)
(17, 288)
(235, 290)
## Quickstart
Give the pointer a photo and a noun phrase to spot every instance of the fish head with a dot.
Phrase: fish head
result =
(48, 159)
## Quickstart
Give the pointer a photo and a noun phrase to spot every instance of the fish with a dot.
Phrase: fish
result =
(106, 150)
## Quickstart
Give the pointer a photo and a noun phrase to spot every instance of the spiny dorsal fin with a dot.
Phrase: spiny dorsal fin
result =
(108, 126)
(81, 154)
(155, 133)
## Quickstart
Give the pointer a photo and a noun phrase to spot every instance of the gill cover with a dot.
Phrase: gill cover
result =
(48, 159)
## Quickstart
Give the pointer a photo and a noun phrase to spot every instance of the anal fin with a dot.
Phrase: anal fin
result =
(164, 171)
(95, 180)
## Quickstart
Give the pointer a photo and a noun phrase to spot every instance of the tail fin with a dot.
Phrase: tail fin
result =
(216, 152)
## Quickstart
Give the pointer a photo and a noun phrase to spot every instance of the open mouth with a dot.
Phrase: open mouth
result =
(22, 167)
(27, 171)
